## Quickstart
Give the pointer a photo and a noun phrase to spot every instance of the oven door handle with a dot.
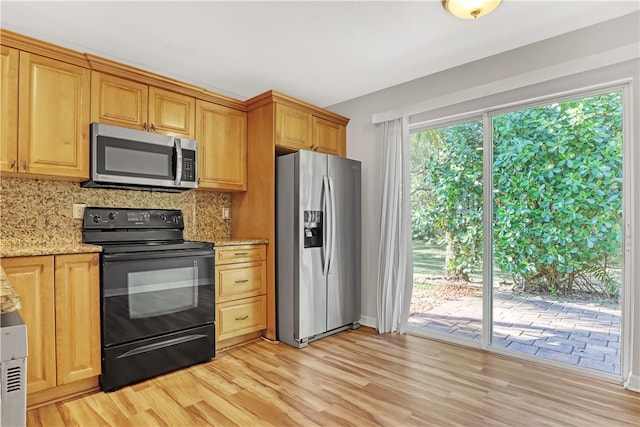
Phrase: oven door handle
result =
(129, 256)
(159, 345)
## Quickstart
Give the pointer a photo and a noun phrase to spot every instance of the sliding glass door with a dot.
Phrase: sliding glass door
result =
(557, 230)
(447, 229)
(535, 195)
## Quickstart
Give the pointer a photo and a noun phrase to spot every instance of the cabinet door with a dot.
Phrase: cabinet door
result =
(222, 147)
(53, 125)
(329, 137)
(171, 113)
(77, 301)
(119, 102)
(293, 128)
(32, 279)
(9, 110)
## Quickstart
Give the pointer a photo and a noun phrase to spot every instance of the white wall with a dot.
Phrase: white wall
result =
(582, 58)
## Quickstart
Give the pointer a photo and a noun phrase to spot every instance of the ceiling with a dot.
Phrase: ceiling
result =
(318, 51)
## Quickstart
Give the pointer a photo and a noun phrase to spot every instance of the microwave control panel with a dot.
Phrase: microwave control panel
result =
(189, 166)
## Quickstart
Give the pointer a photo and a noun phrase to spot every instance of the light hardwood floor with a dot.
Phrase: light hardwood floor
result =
(355, 378)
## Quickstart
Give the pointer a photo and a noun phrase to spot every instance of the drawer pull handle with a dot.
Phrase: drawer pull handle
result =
(242, 318)
(241, 253)
(239, 282)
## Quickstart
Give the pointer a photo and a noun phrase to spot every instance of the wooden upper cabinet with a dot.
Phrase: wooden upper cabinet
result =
(122, 102)
(77, 302)
(9, 109)
(297, 129)
(53, 119)
(171, 113)
(117, 101)
(294, 128)
(32, 279)
(221, 133)
(329, 137)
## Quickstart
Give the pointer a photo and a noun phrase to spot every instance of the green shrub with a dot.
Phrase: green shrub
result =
(557, 172)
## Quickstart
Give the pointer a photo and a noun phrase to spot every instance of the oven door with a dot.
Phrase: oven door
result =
(152, 293)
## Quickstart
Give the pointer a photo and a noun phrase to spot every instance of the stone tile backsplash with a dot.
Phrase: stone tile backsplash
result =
(39, 212)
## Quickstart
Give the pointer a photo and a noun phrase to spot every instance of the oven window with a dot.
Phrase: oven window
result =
(158, 292)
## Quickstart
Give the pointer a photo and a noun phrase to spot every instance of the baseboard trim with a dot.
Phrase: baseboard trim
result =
(368, 321)
(633, 383)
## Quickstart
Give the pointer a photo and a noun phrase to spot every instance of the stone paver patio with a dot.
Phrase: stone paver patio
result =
(581, 333)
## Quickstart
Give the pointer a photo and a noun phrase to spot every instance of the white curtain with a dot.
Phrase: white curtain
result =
(395, 271)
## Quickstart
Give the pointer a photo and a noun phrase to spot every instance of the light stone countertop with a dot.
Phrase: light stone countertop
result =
(237, 242)
(9, 299)
(7, 251)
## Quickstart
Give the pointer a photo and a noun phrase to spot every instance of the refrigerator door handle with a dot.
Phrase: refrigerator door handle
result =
(332, 219)
(327, 236)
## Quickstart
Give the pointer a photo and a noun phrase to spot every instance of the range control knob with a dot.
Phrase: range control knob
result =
(112, 215)
(175, 219)
(96, 218)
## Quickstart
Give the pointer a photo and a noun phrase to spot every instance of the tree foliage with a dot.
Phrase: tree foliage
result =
(453, 210)
(557, 173)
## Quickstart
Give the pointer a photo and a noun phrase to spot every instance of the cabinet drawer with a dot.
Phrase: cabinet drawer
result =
(243, 253)
(235, 281)
(241, 317)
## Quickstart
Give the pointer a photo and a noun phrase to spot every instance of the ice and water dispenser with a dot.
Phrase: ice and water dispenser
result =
(313, 226)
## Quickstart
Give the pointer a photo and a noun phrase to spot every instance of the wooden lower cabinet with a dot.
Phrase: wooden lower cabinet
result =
(241, 317)
(77, 285)
(32, 279)
(60, 297)
(241, 288)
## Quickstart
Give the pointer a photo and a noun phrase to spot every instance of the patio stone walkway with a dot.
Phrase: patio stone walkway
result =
(581, 333)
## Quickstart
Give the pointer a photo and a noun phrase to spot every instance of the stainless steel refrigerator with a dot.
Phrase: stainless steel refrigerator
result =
(317, 246)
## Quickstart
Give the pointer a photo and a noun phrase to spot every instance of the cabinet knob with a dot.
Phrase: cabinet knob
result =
(95, 260)
(144, 126)
(153, 127)
(13, 164)
(24, 165)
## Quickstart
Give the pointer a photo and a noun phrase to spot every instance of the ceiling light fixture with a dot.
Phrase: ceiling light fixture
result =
(469, 9)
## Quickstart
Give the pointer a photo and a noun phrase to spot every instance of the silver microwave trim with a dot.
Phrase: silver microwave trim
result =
(100, 129)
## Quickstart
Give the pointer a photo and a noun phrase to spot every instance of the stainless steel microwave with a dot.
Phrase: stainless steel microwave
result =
(137, 160)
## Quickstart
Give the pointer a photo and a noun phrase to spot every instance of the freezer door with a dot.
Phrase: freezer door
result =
(312, 287)
(343, 280)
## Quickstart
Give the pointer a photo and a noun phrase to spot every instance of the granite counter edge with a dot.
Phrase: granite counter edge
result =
(79, 248)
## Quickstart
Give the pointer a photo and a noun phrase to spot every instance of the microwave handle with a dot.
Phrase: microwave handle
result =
(178, 146)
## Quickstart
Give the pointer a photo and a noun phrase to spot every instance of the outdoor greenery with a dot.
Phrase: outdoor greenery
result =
(557, 173)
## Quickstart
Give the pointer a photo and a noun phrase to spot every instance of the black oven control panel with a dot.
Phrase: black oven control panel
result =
(98, 218)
